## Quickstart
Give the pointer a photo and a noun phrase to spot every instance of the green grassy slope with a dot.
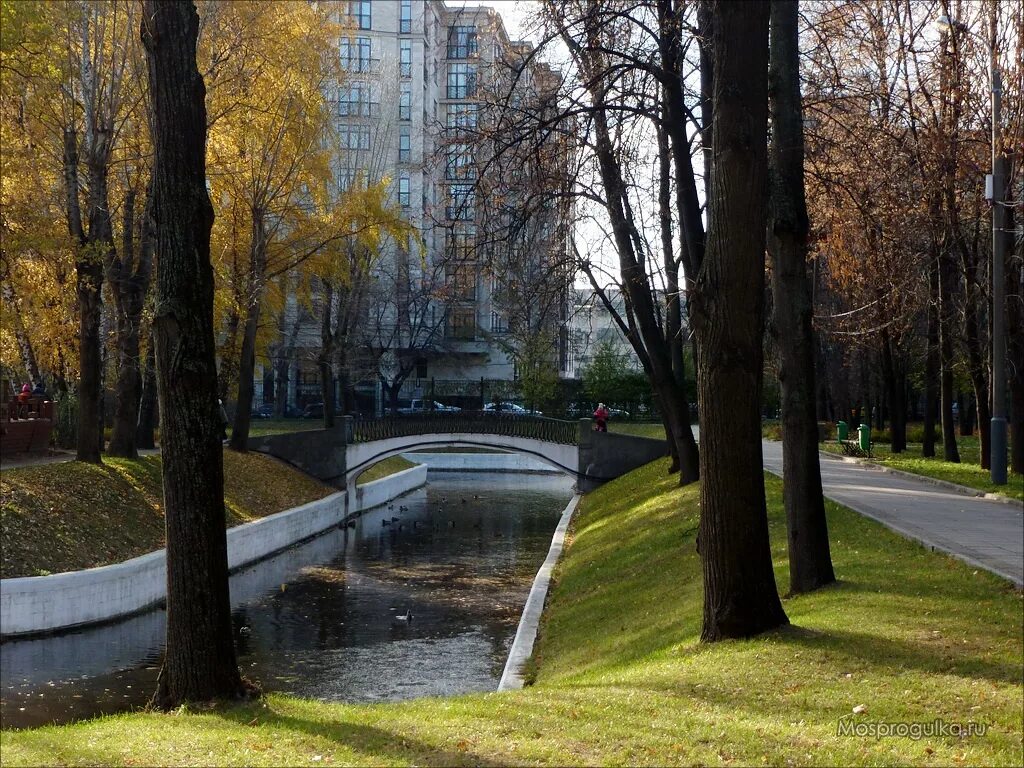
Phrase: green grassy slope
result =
(68, 516)
(621, 678)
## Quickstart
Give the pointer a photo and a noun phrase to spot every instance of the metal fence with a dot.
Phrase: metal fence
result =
(505, 425)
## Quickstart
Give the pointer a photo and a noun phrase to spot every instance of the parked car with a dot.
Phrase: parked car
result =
(267, 411)
(510, 408)
(313, 411)
(582, 409)
(422, 406)
(263, 412)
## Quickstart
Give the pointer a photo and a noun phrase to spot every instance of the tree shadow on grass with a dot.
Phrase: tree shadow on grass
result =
(380, 745)
(898, 655)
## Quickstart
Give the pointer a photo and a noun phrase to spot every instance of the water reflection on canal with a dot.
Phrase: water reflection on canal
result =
(321, 620)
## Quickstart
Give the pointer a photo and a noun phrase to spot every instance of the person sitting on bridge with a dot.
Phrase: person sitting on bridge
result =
(601, 417)
(39, 390)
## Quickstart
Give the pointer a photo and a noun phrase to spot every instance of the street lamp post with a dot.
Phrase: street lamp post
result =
(998, 442)
(998, 180)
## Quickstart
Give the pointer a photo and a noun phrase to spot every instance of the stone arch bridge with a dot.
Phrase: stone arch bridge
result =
(340, 454)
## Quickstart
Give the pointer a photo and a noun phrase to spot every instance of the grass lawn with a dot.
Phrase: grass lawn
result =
(622, 679)
(384, 468)
(260, 427)
(68, 516)
(640, 429)
(968, 472)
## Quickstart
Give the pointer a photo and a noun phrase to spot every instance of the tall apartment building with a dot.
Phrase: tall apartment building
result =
(410, 108)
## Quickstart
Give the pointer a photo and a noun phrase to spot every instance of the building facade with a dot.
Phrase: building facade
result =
(592, 327)
(420, 79)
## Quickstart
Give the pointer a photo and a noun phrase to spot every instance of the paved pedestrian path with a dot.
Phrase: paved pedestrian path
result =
(57, 457)
(985, 533)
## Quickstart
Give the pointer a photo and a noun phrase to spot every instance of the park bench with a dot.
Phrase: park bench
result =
(25, 426)
(852, 448)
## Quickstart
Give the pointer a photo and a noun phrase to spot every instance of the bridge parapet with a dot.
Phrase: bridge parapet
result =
(502, 425)
(338, 455)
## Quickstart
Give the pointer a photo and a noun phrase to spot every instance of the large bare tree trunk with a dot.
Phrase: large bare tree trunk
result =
(895, 395)
(646, 335)
(129, 281)
(740, 596)
(247, 363)
(810, 560)
(199, 663)
(89, 283)
(673, 314)
(144, 433)
(931, 369)
(1015, 343)
(670, 23)
(946, 331)
(977, 363)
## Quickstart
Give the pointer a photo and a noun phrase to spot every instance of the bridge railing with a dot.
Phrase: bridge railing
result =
(505, 425)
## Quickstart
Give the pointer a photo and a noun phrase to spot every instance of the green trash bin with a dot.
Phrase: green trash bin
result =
(843, 429)
(864, 433)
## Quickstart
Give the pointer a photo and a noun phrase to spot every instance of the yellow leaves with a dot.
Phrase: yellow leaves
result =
(267, 67)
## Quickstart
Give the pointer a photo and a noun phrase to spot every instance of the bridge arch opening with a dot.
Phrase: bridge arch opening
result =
(548, 453)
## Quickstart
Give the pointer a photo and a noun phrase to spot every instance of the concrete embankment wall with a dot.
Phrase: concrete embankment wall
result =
(605, 456)
(35, 604)
(317, 452)
(382, 491)
(480, 462)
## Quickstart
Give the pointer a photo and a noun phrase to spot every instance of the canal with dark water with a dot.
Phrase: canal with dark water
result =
(322, 619)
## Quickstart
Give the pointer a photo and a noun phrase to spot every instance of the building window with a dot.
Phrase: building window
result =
(405, 58)
(355, 136)
(404, 145)
(403, 189)
(346, 179)
(355, 100)
(461, 244)
(499, 323)
(359, 12)
(459, 163)
(461, 118)
(356, 54)
(462, 281)
(461, 42)
(462, 323)
(461, 201)
(461, 81)
(405, 17)
(405, 102)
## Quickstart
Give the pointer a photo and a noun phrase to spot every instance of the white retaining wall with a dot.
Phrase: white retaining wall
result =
(382, 491)
(42, 603)
(481, 462)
